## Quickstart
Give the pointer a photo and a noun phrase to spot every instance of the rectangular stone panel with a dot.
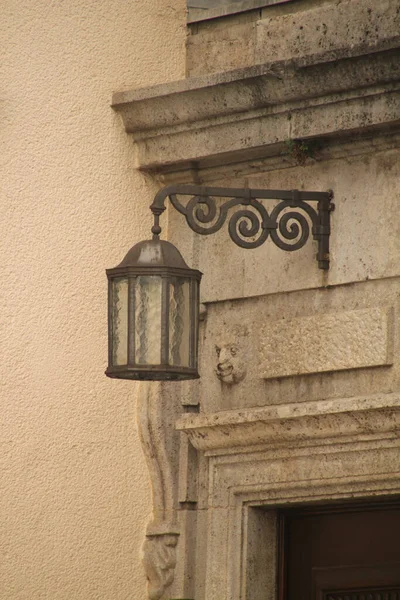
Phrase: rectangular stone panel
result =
(326, 342)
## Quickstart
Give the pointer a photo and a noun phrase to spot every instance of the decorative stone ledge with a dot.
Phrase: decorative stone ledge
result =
(312, 421)
(250, 113)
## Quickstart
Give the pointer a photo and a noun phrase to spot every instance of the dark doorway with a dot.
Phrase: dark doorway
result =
(346, 552)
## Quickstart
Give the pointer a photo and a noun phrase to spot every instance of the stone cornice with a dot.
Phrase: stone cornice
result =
(274, 425)
(250, 113)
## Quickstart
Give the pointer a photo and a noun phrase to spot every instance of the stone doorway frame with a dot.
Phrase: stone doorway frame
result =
(243, 485)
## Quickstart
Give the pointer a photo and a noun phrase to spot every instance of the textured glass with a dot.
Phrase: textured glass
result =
(120, 322)
(148, 320)
(179, 322)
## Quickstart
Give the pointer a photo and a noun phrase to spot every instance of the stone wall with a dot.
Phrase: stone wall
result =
(288, 31)
(298, 400)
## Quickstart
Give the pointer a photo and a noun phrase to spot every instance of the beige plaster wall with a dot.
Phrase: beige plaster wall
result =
(75, 495)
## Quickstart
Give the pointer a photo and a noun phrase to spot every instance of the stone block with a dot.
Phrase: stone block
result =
(224, 49)
(327, 28)
(328, 342)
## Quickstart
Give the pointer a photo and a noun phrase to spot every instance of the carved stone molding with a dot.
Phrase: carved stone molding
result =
(258, 460)
(159, 445)
(159, 561)
(273, 426)
(250, 114)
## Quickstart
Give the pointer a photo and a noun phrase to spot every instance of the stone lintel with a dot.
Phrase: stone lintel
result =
(251, 113)
(273, 425)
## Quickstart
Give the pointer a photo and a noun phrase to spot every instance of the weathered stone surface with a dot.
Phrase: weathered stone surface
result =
(244, 324)
(329, 27)
(301, 29)
(298, 457)
(326, 342)
(249, 114)
(202, 10)
(239, 482)
(158, 442)
(278, 424)
(229, 45)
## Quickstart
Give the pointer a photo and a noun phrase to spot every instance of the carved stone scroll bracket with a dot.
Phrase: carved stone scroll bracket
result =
(159, 561)
(157, 413)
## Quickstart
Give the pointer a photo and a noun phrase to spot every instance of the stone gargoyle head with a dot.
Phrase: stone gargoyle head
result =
(231, 356)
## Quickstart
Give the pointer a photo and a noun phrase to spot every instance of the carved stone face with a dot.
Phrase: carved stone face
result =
(230, 368)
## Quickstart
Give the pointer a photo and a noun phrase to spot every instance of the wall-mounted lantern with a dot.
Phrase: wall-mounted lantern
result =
(153, 314)
(153, 305)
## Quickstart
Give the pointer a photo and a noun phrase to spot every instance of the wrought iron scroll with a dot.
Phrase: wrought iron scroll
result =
(287, 223)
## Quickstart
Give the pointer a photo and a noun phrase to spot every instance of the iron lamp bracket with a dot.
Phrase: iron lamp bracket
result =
(287, 223)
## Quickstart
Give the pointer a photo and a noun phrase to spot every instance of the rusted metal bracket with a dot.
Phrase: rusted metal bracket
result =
(287, 223)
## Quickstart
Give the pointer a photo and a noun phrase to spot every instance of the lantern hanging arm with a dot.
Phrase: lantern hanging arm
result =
(287, 223)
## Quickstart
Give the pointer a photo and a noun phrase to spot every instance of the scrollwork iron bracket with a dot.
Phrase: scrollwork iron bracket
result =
(287, 223)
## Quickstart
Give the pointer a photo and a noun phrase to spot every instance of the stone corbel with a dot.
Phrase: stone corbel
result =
(159, 561)
(160, 446)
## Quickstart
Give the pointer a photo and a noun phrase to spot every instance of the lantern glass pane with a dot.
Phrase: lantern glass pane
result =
(179, 322)
(195, 324)
(119, 318)
(148, 320)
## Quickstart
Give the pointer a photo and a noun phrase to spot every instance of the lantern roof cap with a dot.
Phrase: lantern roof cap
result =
(154, 253)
